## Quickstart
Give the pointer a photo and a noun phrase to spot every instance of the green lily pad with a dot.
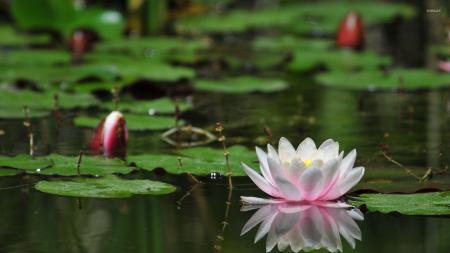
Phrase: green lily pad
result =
(40, 57)
(134, 122)
(9, 172)
(321, 17)
(291, 43)
(241, 84)
(11, 37)
(337, 60)
(65, 165)
(199, 161)
(153, 47)
(436, 203)
(25, 162)
(397, 79)
(151, 107)
(108, 187)
(39, 103)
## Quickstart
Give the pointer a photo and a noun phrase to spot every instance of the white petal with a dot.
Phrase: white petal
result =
(262, 157)
(311, 183)
(295, 170)
(284, 186)
(348, 162)
(306, 148)
(260, 201)
(261, 182)
(286, 151)
(345, 184)
(330, 149)
(272, 153)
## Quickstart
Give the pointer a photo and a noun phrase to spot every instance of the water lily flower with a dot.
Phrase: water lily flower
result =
(444, 66)
(111, 136)
(350, 33)
(304, 227)
(304, 174)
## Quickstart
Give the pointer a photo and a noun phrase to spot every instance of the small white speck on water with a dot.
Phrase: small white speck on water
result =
(151, 111)
(38, 170)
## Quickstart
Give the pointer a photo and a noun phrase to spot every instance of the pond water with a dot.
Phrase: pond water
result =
(413, 126)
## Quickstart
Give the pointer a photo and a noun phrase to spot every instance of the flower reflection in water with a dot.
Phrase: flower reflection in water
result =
(304, 226)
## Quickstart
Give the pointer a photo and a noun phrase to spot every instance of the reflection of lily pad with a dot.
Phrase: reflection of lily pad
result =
(65, 165)
(242, 84)
(109, 187)
(436, 203)
(134, 122)
(337, 60)
(199, 161)
(12, 102)
(321, 17)
(156, 106)
(401, 78)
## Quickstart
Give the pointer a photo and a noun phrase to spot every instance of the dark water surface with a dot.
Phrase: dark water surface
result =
(413, 126)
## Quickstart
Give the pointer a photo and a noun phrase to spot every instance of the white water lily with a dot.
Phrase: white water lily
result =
(307, 173)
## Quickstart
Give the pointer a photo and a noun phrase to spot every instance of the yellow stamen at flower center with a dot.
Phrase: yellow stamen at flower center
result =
(307, 162)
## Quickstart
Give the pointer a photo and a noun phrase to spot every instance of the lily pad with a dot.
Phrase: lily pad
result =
(241, 84)
(134, 122)
(10, 37)
(108, 187)
(409, 79)
(40, 103)
(40, 57)
(199, 161)
(289, 42)
(436, 203)
(337, 60)
(25, 162)
(151, 107)
(321, 17)
(9, 172)
(153, 47)
(65, 165)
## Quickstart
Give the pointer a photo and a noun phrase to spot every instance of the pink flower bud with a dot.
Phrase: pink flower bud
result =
(111, 136)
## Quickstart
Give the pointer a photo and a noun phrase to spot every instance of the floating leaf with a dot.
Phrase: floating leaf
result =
(108, 24)
(108, 187)
(8, 172)
(321, 17)
(241, 84)
(25, 162)
(134, 122)
(11, 37)
(396, 79)
(198, 161)
(156, 106)
(39, 103)
(436, 203)
(336, 60)
(291, 43)
(65, 165)
(40, 57)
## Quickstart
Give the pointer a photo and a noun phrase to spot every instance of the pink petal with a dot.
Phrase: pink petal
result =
(261, 182)
(262, 157)
(284, 186)
(345, 184)
(311, 184)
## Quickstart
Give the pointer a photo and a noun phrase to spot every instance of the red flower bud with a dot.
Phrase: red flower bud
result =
(111, 135)
(79, 43)
(351, 32)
